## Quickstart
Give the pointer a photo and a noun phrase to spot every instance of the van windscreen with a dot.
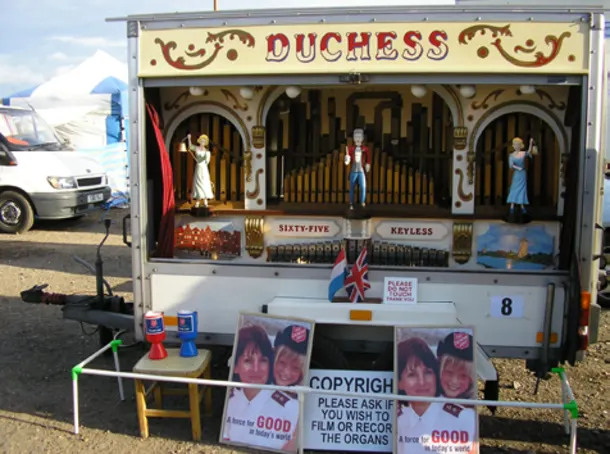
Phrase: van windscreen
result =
(25, 129)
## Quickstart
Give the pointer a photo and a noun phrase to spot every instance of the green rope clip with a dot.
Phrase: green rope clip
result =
(76, 371)
(572, 407)
(115, 344)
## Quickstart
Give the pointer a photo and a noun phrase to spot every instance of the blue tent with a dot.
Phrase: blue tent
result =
(88, 105)
(99, 81)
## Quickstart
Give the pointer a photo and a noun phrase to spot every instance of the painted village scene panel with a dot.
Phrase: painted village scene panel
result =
(440, 176)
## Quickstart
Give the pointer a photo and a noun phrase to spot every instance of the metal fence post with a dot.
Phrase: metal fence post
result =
(301, 437)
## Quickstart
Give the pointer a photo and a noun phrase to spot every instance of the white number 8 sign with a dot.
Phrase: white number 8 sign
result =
(507, 306)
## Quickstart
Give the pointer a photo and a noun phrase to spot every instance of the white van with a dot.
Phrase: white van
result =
(41, 177)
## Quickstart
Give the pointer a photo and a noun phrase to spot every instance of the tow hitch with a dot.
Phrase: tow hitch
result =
(104, 309)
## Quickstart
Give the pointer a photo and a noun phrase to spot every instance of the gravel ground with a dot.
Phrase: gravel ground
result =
(38, 348)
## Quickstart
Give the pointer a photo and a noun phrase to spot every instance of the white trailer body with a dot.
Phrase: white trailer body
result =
(552, 306)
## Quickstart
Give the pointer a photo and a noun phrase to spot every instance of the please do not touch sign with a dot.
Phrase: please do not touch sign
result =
(400, 290)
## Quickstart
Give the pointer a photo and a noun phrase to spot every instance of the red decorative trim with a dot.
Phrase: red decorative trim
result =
(539, 58)
(469, 33)
(218, 39)
(461, 193)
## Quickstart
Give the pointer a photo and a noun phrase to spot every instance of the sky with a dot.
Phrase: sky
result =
(40, 38)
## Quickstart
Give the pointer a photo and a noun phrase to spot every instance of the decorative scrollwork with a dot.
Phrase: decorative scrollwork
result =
(460, 137)
(469, 33)
(257, 185)
(539, 58)
(462, 242)
(258, 136)
(255, 236)
(552, 103)
(231, 97)
(175, 104)
(484, 104)
(544, 95)
(461, 193)
(248, 165)
(218, 40)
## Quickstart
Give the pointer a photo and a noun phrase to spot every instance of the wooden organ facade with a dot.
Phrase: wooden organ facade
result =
(412, 143)
(279, 157)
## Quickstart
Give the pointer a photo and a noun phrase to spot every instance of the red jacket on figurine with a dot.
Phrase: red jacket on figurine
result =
(366, 154)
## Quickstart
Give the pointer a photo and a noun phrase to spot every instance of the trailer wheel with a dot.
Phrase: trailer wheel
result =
(106, 335)
(603, 299)
(326, 355)
(16, 213)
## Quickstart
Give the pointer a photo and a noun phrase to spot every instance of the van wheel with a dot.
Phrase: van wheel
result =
(16, 213)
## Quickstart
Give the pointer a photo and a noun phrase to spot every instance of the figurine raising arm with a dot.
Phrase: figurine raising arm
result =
(518, 186)
(358, 154)
(202, 185)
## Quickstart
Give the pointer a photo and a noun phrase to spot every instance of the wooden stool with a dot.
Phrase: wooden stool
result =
(176, 366)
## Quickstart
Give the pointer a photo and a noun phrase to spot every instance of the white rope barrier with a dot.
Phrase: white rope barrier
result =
(118, 369)
(75, 402)
(95, 355)
(568, 406)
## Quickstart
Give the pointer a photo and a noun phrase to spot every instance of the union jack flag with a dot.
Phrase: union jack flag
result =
(357, 281)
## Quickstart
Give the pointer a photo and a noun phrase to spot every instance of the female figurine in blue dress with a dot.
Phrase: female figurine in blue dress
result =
(518, 186)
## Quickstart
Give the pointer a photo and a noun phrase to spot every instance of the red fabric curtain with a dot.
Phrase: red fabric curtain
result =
(165, 245)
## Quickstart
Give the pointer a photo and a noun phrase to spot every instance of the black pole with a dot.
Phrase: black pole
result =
(99, 265)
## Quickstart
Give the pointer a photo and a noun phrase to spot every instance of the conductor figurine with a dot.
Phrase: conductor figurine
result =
(360, 158)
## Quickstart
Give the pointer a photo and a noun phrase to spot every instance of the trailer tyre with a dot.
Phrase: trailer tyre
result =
(106, 335)
(16, 213)
(603, 300)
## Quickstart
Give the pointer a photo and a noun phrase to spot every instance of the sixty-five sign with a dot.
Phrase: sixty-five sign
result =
(303, 228)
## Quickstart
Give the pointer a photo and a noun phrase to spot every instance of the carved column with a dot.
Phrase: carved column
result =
(254, 171)
(463, 173)
(256, 179)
